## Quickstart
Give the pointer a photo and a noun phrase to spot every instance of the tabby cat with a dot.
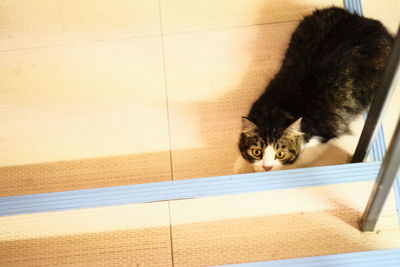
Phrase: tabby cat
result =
(329, 76)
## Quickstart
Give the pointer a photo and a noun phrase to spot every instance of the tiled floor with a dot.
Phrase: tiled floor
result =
(104, 93)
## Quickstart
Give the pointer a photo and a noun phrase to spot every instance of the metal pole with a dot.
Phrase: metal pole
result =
(382, 96)
(383, 184)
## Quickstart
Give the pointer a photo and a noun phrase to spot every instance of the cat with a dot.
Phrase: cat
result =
(328, 78)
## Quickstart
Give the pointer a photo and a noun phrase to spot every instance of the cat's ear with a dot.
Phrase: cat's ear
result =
(248, 126)
(295, 128)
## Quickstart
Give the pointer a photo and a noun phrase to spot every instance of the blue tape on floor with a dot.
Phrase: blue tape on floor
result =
(374, 258)
(185, 189)
(354, 6)
(379, 146)
(397, 194)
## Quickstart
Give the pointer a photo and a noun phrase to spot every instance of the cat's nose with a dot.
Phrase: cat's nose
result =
(267, 168)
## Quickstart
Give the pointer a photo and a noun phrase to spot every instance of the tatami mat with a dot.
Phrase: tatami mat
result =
(26, 24)
(83, 174)
(210, 14)
(101, 93)
(130, 235)
(277, 225)
(83, 101)
(226, 229)
(74, 102)
(78, 91)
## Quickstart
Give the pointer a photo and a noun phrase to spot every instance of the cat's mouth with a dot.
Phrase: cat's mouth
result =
(262, 168)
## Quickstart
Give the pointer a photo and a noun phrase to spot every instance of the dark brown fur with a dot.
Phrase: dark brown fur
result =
(330, 73)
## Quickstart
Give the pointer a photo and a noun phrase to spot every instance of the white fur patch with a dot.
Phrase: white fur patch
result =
(269, 157)
(314, 141)
(267, 160)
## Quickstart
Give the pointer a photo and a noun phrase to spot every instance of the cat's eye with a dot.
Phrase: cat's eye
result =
(280, 155)
(256, 152)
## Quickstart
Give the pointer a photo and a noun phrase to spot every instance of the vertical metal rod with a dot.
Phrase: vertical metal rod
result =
(382, 96)
(383, 184)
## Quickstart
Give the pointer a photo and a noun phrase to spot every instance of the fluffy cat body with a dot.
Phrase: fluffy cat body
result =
(329, 76)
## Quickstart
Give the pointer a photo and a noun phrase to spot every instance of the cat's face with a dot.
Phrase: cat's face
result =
(268, 153)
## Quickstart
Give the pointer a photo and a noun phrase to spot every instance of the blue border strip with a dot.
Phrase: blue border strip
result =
(354, 6)
(387, 257)
(186, 189)
(378, 148)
